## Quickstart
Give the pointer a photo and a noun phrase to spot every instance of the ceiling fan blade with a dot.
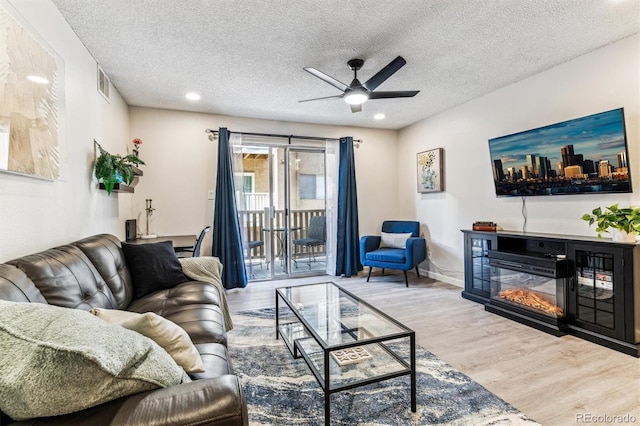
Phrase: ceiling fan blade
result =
(397, 94)
(319, 99)
(385, 73)
(356, 108)
(327, 79)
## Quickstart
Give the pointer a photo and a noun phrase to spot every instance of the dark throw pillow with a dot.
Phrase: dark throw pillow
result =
(153, 266)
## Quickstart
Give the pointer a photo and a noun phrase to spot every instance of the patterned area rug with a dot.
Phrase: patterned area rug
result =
(281, 390)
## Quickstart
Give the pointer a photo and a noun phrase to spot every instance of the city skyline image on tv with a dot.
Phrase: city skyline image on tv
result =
(579, 156)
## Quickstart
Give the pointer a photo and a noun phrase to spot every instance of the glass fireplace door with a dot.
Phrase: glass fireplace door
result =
(537, 294)
(595, 293)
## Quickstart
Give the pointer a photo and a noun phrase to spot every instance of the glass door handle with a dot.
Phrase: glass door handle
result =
(572, 283)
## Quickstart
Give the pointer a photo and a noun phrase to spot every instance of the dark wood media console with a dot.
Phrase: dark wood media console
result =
(559, 284)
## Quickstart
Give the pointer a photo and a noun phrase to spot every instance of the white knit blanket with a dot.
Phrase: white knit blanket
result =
(208, 269)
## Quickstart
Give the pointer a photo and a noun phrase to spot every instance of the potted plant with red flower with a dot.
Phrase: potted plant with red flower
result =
(111, 169)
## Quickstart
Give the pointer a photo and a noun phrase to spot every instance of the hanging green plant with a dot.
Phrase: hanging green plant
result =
(115, 168)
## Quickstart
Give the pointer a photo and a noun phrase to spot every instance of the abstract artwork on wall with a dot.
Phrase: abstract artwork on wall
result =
(430, 171)
(31, 101)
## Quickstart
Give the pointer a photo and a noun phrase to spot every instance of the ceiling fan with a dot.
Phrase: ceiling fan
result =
(357, 93)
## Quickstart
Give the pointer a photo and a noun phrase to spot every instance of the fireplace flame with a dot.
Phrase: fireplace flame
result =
(531, 300)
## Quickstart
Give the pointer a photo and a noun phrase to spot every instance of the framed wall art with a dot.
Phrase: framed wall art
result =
(430, 170)
(31, 100)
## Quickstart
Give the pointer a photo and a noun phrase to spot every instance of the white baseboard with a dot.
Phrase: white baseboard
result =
(444, 278)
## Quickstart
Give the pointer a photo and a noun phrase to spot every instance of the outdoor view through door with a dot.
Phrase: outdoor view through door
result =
(281, 193)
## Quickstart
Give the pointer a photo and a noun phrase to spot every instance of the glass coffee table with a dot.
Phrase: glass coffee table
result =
(345, 341)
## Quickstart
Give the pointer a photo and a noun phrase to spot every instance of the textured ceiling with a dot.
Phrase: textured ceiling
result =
(245, 57)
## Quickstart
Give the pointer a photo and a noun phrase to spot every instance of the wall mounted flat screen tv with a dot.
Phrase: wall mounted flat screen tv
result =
(586, 155)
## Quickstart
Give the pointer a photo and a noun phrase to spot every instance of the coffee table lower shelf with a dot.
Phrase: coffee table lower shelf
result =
(383, 364)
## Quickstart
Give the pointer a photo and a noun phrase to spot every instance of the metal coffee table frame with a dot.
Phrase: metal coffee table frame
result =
(301, 331)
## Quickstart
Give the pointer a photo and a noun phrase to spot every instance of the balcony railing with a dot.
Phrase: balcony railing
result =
(254, 222)
(254, 200)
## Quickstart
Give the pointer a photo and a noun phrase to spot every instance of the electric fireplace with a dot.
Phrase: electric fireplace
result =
(584, 286)
(529, 289)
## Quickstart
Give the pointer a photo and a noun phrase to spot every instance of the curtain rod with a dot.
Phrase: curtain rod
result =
(274, 135)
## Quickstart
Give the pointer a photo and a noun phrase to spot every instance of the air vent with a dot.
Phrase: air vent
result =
(104, 84)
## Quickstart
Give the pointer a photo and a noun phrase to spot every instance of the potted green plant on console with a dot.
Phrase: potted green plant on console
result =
(624, 222)
(111, 169)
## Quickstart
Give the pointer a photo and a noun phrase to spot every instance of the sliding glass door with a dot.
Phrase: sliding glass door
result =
(307, 200)
(281, 194)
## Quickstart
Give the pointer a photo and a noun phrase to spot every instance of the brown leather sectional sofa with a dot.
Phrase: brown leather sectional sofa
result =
(92, 273)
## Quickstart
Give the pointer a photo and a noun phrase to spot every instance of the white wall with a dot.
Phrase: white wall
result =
(602, 80)
(37, 214)
(181, 167)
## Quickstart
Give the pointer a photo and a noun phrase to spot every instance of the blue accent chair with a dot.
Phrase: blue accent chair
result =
(409, 257)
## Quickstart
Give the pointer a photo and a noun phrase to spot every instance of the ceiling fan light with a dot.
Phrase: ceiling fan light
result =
(356, 97)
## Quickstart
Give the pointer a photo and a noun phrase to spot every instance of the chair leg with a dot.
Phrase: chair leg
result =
(406, 279)
(251, 275)
(369, 274)
(417, 272)
(294, 256)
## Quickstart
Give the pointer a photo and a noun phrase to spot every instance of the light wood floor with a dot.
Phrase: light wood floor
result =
(554, 380)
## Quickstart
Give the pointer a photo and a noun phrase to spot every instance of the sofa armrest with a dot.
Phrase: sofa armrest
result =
(218, 401)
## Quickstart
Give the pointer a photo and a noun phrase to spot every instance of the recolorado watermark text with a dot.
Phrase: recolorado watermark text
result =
(606, 418)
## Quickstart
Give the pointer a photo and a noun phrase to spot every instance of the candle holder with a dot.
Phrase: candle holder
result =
(149, 209)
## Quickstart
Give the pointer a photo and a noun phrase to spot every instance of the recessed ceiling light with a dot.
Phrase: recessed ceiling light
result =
(379, 116)
(37, 79)
(192, 96)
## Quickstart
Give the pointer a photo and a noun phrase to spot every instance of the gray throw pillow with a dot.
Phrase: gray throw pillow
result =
(169, 335)
(394, 240)
(57, 360)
